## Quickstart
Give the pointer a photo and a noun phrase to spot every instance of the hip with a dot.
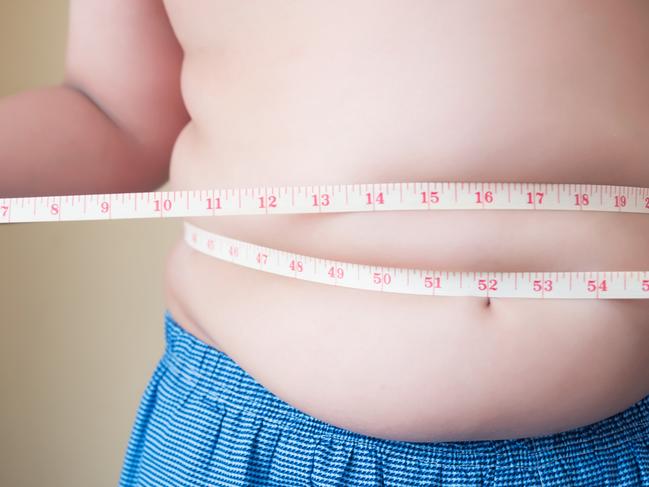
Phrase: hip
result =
(203, 420)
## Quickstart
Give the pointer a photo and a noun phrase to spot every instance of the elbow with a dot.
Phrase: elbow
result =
(154, 153)
(142, 138)
(150, 168)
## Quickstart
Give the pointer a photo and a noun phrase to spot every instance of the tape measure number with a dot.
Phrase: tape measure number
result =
(327, 199)
(364, 197)
(542, 285)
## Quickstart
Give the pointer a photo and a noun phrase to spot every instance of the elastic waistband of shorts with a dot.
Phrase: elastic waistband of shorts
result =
(211, 372)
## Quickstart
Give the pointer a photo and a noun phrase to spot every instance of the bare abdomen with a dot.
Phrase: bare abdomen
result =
(563, 103)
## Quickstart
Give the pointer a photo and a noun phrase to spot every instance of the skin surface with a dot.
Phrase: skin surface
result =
(240, 94)
(287, 93)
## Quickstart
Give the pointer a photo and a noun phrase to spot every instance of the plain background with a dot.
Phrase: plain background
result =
(81, 323)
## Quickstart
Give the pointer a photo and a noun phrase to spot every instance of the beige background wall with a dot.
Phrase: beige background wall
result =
(81, 306)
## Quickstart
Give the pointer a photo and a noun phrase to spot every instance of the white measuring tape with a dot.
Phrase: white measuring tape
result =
(358, 198)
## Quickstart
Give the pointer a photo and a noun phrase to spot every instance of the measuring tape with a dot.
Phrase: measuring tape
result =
(358, 198)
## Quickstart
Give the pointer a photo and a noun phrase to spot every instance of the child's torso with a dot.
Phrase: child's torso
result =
(288, 93)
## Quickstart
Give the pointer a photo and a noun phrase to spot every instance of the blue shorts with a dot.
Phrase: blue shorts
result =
(204, 421)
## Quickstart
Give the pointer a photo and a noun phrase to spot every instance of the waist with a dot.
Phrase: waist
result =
(442, 368)
(458, 240)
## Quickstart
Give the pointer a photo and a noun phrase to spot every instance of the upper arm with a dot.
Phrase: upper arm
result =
(124, 56)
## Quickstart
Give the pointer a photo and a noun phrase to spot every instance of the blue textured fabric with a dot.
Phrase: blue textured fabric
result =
(204, 421)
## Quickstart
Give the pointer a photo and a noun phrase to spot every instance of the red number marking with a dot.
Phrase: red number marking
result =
(379, 198)
(218, 204)
(582, 199)
(539, 197)
(542, 285)
(261, 258)
(432, 282)
(5, 210)
(54, 209)
(166, 205)
(105, 207)
(487, 197)
(296, 265)
(593, 285)
(433, 197)
(324, 200)
(272, 202)
(620, 201)
(484, 284)
(336, 272)
(382, 279)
